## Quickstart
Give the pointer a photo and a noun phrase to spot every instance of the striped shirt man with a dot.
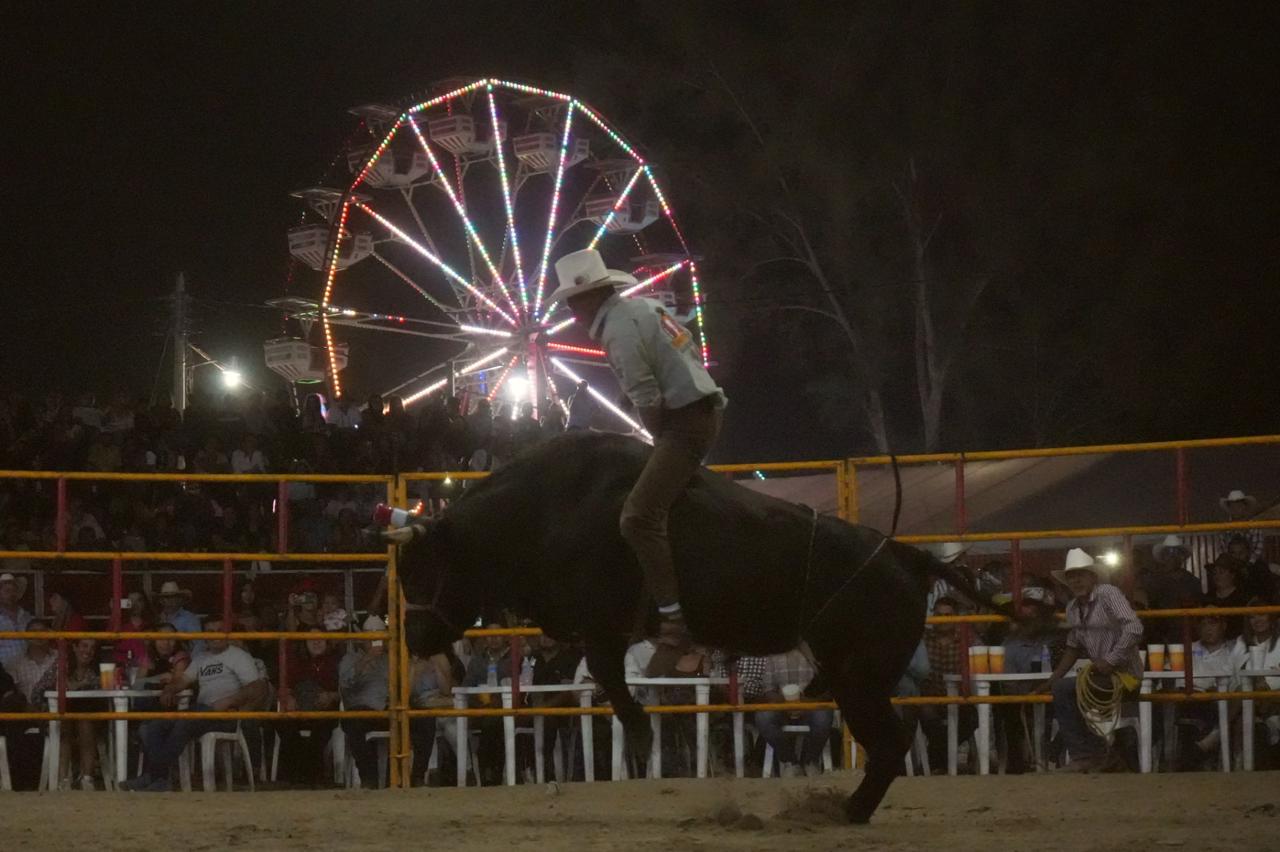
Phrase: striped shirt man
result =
(1104, 627)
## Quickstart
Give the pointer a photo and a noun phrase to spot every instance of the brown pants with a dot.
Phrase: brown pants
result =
(678, 449)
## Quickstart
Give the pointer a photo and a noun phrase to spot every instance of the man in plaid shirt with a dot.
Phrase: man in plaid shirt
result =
(12, 616)
(942, 643)
(762, 679)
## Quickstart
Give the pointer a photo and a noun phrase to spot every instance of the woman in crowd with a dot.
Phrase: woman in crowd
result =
(167, 658)
(313, 685)
(64, 615)
(431, 682)
(1263, 630)
(81, 737)
(1226, 588)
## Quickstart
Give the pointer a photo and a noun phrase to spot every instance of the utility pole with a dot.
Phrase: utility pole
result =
(180, 344)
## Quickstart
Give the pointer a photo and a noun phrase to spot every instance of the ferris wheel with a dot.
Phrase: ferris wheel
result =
(445, 233)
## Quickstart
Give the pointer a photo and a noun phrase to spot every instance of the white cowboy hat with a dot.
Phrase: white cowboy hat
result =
(374, 624)
(1238, 496)
(20, 582)
(1077, 560)
(170, 589)
(1171, 542)
(583, 271)
(950, 551)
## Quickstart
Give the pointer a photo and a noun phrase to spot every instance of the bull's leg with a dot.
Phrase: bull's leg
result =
(605, 660)
(877, 729)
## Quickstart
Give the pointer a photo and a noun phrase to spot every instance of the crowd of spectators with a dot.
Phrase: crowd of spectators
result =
(260, 433)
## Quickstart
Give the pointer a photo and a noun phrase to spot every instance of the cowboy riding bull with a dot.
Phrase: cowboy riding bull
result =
(757, 575)
(593, 526)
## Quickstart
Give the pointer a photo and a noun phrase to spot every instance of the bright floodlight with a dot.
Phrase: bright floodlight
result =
(517, 387)
(231, 379)
(1111, 558)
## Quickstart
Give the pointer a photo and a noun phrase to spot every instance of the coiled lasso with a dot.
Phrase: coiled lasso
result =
(1099, 698)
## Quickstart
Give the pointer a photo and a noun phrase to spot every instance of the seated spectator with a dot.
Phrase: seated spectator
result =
(167, 659)
(488, 668)
(1103, 628)
(313, 685)
(1240, 507)
(431, 685)
(332, 614)
(1033, 639)
(36, 668)
(1211, 660)
(63, 613)
(227, 678)
(12, 616)
(80, 737)
(780, 676)
(946, 653)
(554, 663)
(303, 612)
(173, 610)
(247, 458)
(1258, 579)
(1169, 585)
(1262, 629)
(362, 681)
(1226, 588)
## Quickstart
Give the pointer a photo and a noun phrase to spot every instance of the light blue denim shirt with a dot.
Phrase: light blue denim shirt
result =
(653, 356)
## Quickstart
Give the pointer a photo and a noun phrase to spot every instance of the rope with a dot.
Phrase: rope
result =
(1099, 700)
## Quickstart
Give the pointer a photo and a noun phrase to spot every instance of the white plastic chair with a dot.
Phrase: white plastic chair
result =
(217, 744)
(6, 782)
(383, 739)
(766, 771)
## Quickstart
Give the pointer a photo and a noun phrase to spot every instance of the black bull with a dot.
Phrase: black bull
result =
(756, 575)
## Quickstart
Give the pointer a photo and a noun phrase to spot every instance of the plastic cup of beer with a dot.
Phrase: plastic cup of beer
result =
(791, 691)
(979, 662)
(107, 675)
(1257, 657)
(995, 659)
(1177, 658)
(1155, 658)
(1142, 655)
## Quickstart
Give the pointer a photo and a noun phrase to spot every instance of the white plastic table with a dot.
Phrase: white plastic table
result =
(460, 695)
(119, 729)
(702, 689)
(982, 687)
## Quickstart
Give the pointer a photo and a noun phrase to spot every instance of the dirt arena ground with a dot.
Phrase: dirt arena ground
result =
(1098, 812)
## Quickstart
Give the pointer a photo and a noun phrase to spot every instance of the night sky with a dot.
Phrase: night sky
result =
(1111, 171)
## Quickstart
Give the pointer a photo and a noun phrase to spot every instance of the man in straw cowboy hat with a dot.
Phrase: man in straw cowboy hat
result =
(12, 616)
(1169, 585)
(657, 364)
(1240, 507)
(173, 610)
(1104, 629)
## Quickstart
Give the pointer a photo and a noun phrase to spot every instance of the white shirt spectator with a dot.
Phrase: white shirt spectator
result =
(1213, 663)
(88, 415)
(343, 417)
(635, 664)
(1270, 660)
(242, 462)
(223, 674)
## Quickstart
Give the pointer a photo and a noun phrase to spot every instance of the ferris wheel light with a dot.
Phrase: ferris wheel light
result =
(617, 205)
(488, 359)
(475, 329)
(506, 199)
(429, 389)
(517, 387)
